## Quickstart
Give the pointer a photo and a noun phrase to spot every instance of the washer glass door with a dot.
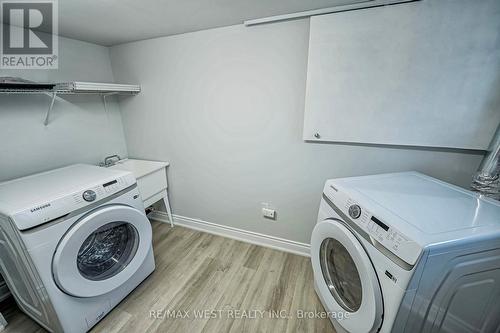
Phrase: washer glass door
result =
(102, 250)
(340, 274)
(107, 251)
(345, 278)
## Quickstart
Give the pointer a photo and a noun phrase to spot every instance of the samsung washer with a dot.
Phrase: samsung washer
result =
(73, 243)
(406, 252)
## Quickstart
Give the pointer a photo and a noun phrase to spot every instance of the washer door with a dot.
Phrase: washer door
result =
(345, 277)
(102, 251)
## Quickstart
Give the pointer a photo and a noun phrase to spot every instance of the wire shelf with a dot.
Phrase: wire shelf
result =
(69, 88)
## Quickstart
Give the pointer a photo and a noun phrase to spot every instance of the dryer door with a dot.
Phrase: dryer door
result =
(345, 277)
(102, 251)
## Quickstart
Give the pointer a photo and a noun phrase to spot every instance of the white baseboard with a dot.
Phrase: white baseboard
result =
(235, 233)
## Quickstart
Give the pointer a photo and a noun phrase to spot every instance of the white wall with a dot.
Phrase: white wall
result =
(225, 107)
(79, 130)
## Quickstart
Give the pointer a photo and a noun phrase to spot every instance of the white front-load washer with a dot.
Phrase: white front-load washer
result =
(73, 243)
(406, 252)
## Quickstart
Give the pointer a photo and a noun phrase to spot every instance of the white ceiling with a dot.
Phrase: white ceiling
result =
(111, 22)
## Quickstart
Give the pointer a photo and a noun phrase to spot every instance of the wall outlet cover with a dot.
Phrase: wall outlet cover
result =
(269, 213)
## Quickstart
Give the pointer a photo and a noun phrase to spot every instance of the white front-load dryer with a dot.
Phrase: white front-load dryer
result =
(356, 283)
(405, 252)
(75, 242)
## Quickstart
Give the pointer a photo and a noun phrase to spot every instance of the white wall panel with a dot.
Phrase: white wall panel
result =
(425, 73)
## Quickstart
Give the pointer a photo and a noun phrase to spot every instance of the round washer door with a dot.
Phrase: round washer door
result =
(102, 251)
(345, 277)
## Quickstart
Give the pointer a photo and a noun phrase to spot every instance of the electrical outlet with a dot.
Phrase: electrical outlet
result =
(269, 213)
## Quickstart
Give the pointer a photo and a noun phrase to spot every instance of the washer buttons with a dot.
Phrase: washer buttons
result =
(354, 211)
(89, 195)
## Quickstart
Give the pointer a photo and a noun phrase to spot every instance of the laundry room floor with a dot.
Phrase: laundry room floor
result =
(208, 283)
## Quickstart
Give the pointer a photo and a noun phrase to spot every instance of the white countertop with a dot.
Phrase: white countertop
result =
(139, 168)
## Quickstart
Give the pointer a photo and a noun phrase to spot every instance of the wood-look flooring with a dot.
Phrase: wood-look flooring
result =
(244, 287)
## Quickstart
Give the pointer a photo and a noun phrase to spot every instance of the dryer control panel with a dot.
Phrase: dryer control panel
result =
(378, 228)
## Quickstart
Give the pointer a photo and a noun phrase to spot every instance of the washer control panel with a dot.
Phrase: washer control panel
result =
(49, 210)
(101, 191)
(379, 227)
(382, 232)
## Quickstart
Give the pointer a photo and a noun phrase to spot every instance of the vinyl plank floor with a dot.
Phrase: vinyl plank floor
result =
(210, 284)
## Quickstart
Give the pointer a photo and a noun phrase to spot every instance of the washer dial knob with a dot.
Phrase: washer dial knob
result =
(354, 211)
(89, 195)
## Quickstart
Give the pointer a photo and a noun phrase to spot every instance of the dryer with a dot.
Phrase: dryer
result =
(73, 243)
(405, 252)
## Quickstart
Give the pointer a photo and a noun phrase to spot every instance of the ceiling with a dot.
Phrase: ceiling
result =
(111, 22)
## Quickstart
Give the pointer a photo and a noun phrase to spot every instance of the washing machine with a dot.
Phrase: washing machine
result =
(405, 252)
(73, 243)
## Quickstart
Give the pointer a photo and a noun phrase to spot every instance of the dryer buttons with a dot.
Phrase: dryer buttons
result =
(354, 211)
(89, 195)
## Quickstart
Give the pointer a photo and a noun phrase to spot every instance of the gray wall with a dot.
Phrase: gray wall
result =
(79, 130)
(225, 107)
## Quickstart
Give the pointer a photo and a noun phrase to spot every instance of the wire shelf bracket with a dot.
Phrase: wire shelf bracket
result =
(47, 115)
